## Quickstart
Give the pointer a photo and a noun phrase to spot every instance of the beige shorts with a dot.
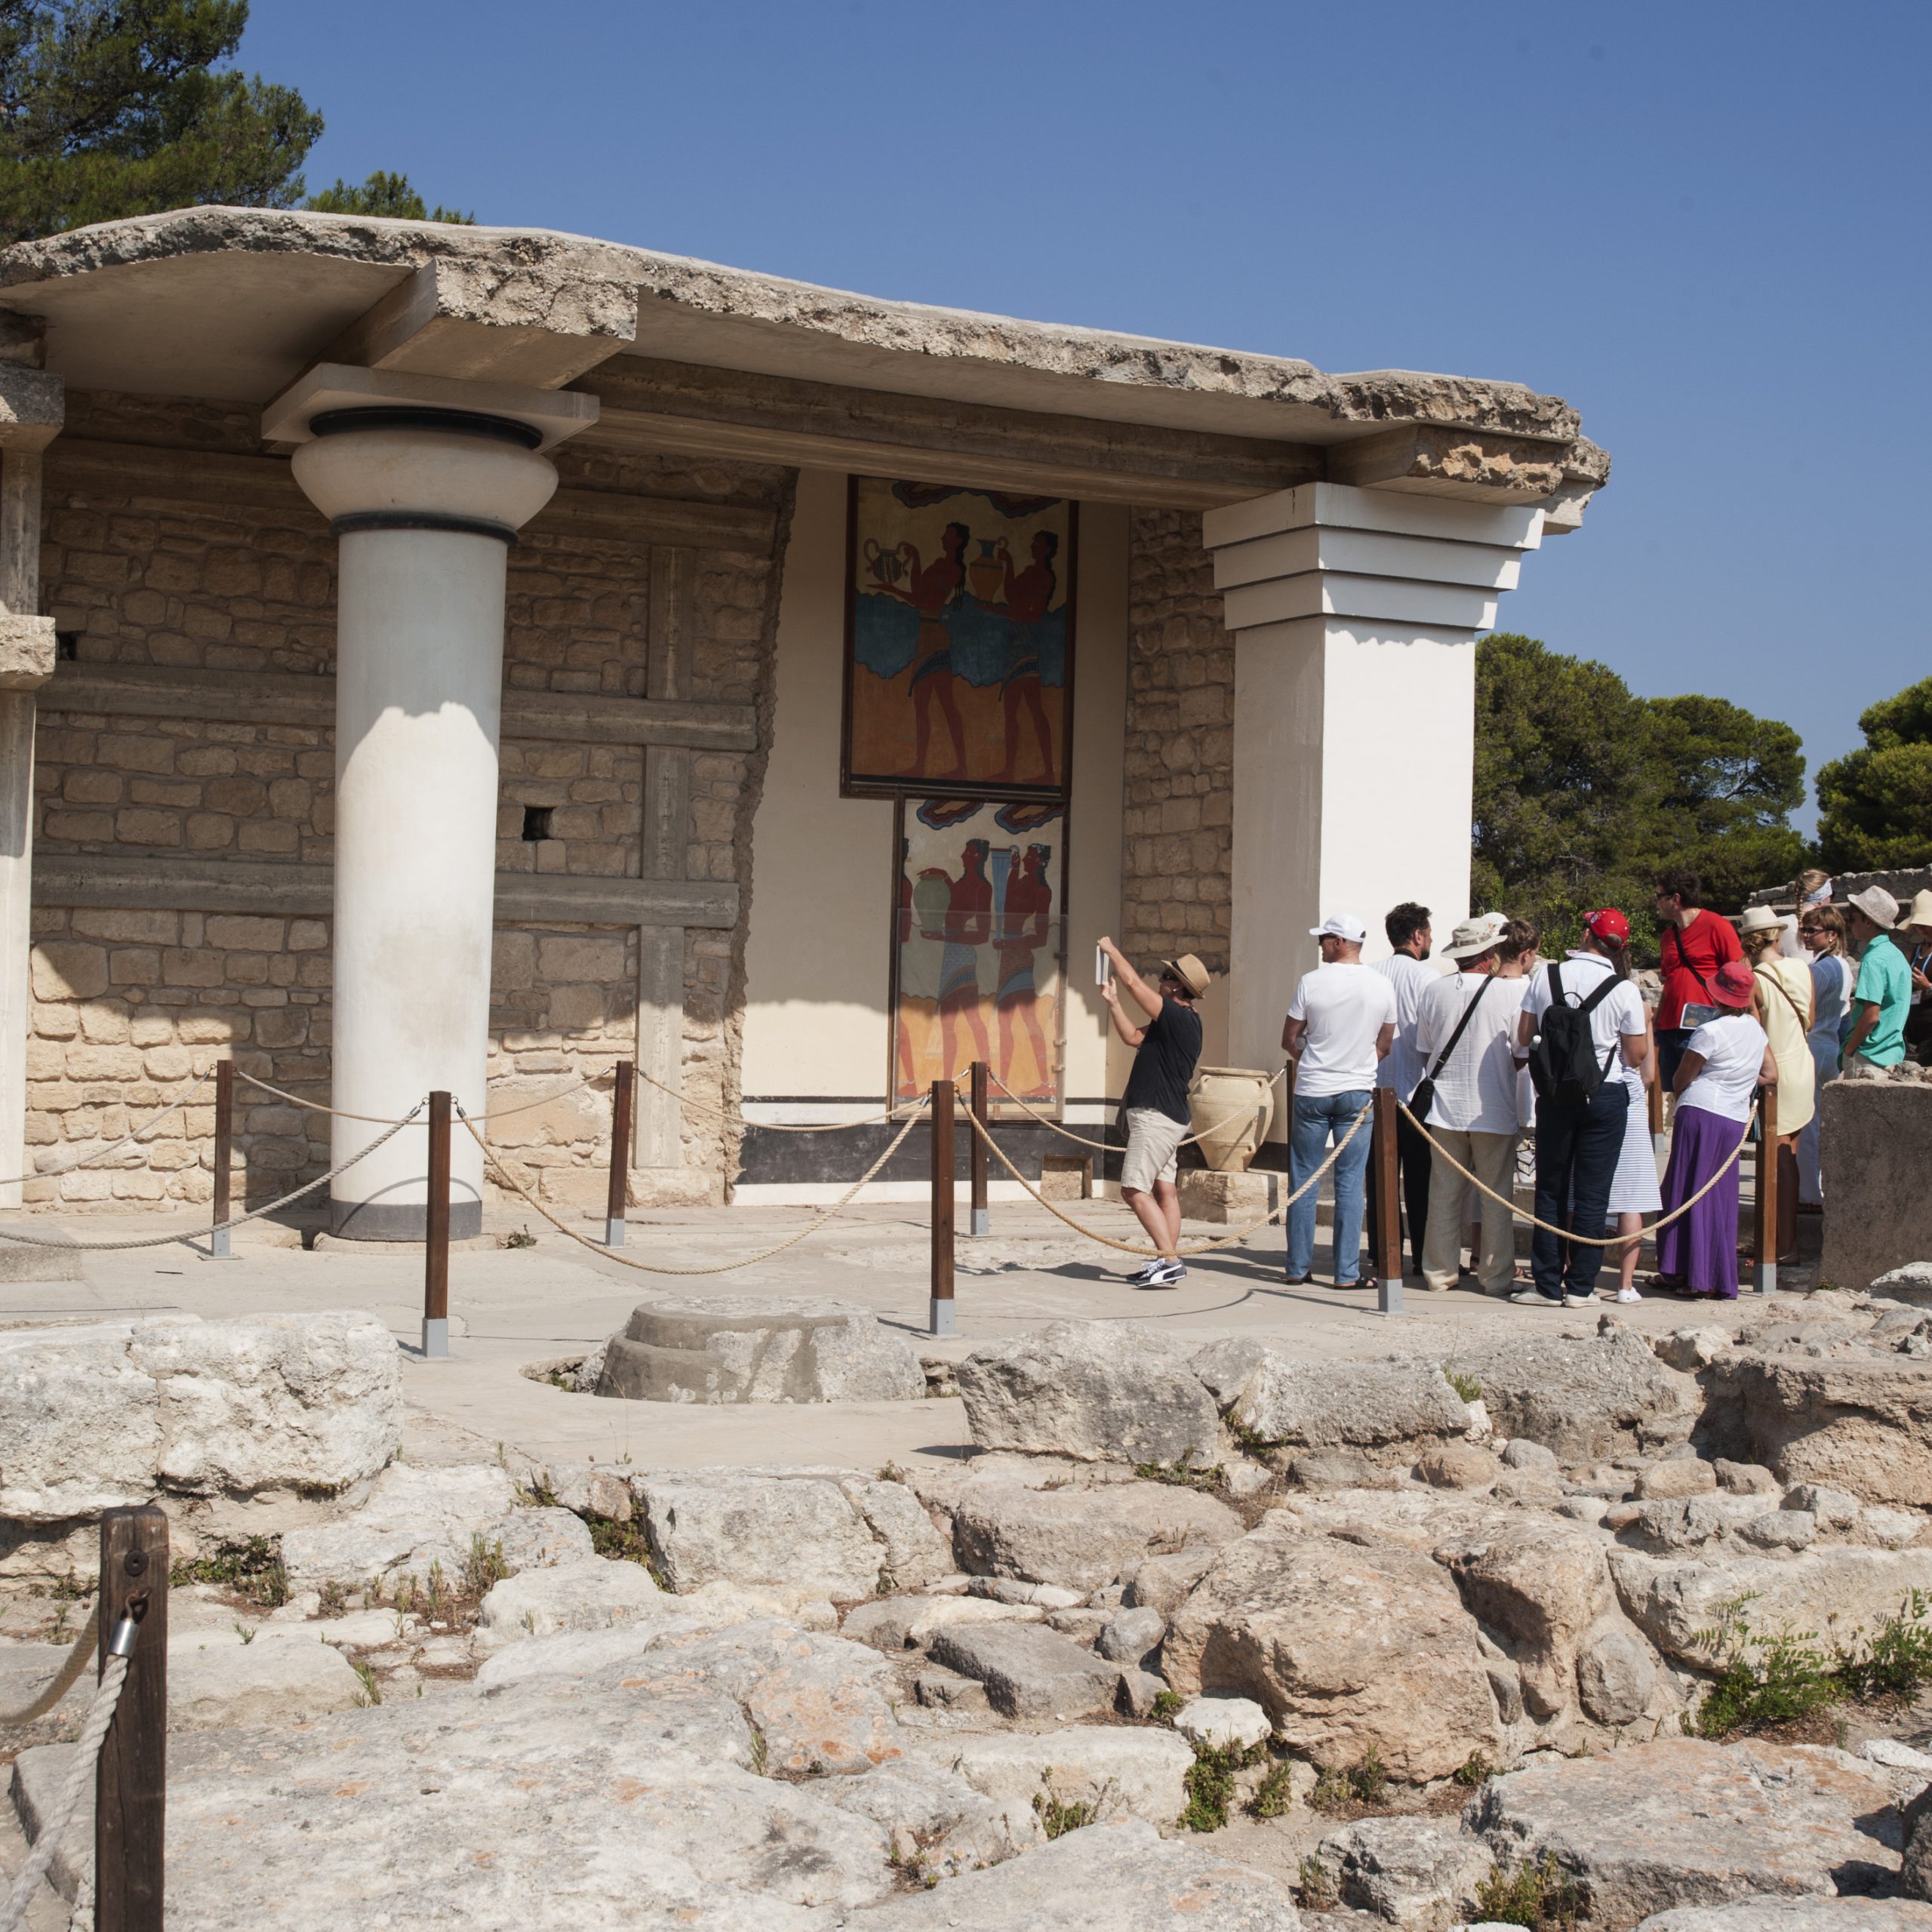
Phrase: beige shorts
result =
(1153, 1149)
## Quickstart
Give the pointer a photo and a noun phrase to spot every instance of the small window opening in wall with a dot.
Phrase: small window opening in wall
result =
(66, 646)
(537, 823)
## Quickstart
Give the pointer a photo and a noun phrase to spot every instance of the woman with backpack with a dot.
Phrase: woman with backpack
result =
(1579, 1014)
(1783, 1006)
(1724, 1061)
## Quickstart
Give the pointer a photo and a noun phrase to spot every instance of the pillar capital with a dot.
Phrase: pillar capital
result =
(554, 415)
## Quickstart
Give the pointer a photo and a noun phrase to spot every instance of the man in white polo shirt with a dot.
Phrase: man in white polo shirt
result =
(1340, 1024)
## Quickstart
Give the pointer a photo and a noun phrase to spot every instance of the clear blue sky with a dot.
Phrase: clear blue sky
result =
(1704, 225)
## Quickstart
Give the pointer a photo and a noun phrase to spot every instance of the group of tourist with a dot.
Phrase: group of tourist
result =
(1504, 1043)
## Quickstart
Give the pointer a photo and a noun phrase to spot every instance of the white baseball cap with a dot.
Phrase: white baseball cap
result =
(1340, 925)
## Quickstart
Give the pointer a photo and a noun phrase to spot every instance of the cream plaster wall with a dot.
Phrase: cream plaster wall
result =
(822, 867)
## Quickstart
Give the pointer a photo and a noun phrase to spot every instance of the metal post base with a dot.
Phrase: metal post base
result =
(982, 1219)
(1389, 1295)
(1767, 1272)
(218, 1247)
(613, 1232)
(435, 1340)
(942, 1320)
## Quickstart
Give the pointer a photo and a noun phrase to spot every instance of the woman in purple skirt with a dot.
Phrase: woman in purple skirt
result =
(1726, 1059)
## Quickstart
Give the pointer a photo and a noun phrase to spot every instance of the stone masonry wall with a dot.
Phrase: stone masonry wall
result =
(129, 1005)
(1177, 879)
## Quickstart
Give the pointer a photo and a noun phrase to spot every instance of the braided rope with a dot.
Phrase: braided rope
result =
(314, 1106)
(774, 1126)
(1108, 1146)
(235, 1221)
(658, 1268)
(1437, 1151)
(64, 1678)
(174, 1105)
(54, 1828)
(1201, 1248)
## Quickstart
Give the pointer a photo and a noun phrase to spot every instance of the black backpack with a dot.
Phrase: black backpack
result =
(1563, 1058)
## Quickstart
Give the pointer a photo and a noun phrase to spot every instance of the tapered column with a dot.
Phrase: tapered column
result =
(1355, 614)
(426, 501)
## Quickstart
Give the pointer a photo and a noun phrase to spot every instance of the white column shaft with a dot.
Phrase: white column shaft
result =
(419, 683)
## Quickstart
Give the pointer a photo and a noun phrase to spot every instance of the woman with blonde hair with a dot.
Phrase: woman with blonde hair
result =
(1821, 933)
(1783, 1002)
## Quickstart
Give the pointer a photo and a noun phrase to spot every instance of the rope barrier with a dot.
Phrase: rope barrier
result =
(314, 1106)
(235, 1221)
(650, 1267)
(774, 1126)
(1436, 1148)
(174, 1105)
(53, 1829)
(1202, 1247)
(1106, 1146)
(64, 1678)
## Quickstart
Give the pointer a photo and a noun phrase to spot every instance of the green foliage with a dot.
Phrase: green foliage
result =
(1183, 1475)
(622, 1542)
(1467, 1387)
(1274, 1797)
(1058, 1816)
(372, 1691)
(392, 196)
(1166, 1706)
(1584, 791)
(484, 1567)
(334, 1599)
(1764, 1678)
(1315, 1885)
(113, 108)
(1540, 1896)
(1895, 1663)
(1364, 1782)
(252, 1570)
(1209, 1783)
(1875, 804)
(1474, 1771)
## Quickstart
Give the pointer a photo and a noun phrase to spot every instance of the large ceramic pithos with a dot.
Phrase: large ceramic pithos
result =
(1235, 1104)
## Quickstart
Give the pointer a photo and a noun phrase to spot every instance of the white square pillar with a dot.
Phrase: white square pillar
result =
(1354, 614)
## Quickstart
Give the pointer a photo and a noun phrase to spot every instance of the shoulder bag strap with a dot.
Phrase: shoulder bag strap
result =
(1468, 1013)
(1796, 1009)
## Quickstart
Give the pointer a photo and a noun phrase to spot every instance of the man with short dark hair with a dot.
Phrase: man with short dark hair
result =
(1693, 943)
(1167, 1045)
(1410, 936)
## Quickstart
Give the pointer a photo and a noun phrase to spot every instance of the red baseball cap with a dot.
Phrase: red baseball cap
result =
(1610, 924)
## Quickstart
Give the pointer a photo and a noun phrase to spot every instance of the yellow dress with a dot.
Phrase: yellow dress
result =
(1785, 1024)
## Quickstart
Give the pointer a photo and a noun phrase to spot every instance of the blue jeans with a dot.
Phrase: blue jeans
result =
(1318, 1119)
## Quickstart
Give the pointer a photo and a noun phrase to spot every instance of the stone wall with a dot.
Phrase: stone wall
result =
(239, 576)
(1177, 883)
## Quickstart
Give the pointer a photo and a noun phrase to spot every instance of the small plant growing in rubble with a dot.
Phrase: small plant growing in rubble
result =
(1166, 1706)
(1365, 1782)
(334, 1599)
(1475, 1770)
(1764, 1677)
(1209, 1783)
(520, 1237)
(1274, 1797)
(1315, 1885)
(484, 1567)
(1539, 1896)
(1466, 1386)
(372, 1691)
(1059, 1815)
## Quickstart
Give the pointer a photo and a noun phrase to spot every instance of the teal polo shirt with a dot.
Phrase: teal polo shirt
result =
(1885, 980)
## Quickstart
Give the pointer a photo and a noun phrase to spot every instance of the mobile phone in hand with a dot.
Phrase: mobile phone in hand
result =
(1103, 970)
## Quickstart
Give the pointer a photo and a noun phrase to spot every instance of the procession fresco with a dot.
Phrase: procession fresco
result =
(979, 952)
(959, 637)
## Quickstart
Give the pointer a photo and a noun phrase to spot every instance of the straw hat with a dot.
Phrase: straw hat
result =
(1920, 914)
(1189, 971)
(1878, 905)
(1762, 919)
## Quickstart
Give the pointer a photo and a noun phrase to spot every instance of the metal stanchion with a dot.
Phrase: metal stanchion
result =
(940, 1315)
(130, 1781)
(980, 1220)
(1388, 1204)
(1764, 1234)
(617, 1200)
(224, 1156)
(436, 1236)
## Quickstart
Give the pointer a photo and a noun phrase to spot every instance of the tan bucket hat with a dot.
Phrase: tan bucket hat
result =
(1920, 914)
(1189, 971)
(1878, 905)
(1759, 919)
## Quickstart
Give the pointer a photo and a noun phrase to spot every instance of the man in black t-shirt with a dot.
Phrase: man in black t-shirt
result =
(1154, 1109)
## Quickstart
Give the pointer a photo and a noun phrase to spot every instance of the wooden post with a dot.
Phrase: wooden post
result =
(981, 1220)
(131, 1783)
(940, 1315)
(618, 1198)
(224, 1156)
(1388, 1204)
(1764, 1235)
(436, 1236)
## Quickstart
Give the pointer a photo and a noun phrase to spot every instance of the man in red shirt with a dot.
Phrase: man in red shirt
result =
(1695, 943)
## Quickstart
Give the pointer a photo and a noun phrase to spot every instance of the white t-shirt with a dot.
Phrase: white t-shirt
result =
(1475, 1092)
(1346, 1006)
(1734, 1051)
(1411, 979)
(1620, 1011)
